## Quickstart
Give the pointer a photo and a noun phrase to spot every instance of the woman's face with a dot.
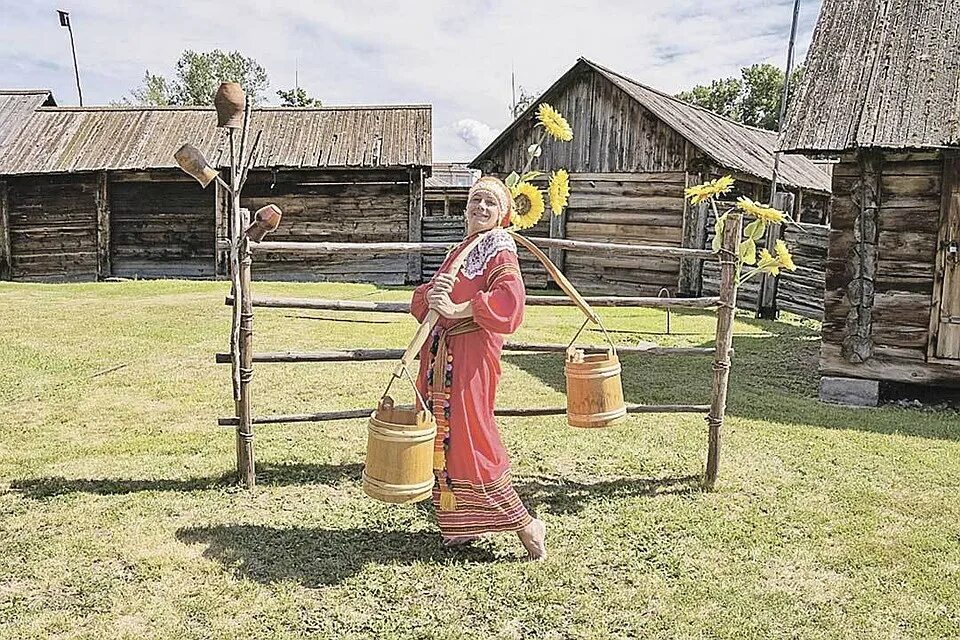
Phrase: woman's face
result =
(483, 212)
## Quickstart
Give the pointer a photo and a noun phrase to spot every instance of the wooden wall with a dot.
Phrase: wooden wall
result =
(52, 227)
(335, 206)
(442, 222)
(880, 268)
(611, 133)
(161, 226)
(633, 208)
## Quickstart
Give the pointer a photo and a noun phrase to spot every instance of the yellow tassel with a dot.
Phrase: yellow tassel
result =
(439, 460)
(448, 501)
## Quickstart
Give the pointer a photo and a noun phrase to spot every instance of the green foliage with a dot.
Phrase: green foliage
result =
(297, 97)
(197, 78)
(753, 99)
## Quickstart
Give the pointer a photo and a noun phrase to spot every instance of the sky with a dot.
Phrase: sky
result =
(457, 56)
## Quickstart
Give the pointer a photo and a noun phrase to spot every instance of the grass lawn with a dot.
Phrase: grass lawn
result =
(118, 518)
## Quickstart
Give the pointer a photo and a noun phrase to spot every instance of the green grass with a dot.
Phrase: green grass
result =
(118, 518)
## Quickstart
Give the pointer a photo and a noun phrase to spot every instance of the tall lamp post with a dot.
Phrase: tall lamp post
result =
(65, 22)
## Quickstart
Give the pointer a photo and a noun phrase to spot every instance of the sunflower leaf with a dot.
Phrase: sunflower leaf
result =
(530, 175)
(512, 179)
(718, 233)
(748, 251)
(534, 150)
(755, 229)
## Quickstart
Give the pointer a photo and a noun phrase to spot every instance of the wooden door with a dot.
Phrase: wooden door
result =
(945, 337)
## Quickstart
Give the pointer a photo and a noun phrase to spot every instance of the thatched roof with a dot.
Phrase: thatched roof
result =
(880, 73)
(71, 139)
(730, 144)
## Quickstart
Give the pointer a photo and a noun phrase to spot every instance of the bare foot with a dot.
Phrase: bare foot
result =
(534, 539)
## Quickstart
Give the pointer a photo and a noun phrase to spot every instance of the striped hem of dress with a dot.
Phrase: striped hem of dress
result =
(483, 508)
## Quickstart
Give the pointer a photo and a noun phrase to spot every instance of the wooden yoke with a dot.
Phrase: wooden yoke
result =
(420, 337)
(558, 277)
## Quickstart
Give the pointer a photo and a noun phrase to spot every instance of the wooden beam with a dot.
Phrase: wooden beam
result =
(221, 228)
(532, 301)
(104, 268)
(369, 355)
(415, 229)
(767, 289)
(520, 412)
(695, 217)
(387, 248)
(6, 254)
(558, 231)
(858, 338)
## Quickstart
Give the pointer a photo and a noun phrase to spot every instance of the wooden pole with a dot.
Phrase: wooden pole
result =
(532, 301)
(367, 355)
(415, 222)
(521, 412)
(387, 248)
(243, 307)
(724, 342)
(104, 268)
(6, 255)
(222, 227)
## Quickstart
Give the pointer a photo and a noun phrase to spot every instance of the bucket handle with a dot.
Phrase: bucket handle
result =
(568, 288)
(416, 391)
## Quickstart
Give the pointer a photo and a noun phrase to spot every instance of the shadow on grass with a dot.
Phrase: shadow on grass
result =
(267, 474)
(774, 378)
(563, 496)
(316, 557)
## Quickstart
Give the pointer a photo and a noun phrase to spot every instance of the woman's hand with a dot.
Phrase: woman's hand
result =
(443, 282)
(441, 303)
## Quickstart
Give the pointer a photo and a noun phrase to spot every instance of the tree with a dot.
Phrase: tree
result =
(297, 98)
(197, 78)
(753, 99)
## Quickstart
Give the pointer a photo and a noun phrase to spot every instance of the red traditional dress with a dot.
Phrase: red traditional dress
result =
(459, 372)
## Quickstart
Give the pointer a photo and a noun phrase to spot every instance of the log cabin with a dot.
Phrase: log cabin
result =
(634, 150)
(93, 192)
(881, 98)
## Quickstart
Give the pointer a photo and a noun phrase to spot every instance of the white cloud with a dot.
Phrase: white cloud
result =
(456, 56)
(475, 133)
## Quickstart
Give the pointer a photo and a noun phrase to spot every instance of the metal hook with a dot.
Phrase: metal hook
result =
(664, 290)
(273, 179)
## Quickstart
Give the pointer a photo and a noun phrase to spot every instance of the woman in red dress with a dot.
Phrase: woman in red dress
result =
(459, 372)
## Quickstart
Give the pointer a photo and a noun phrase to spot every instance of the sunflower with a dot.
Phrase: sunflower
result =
(709, 189)
(784, 259)
(768, 263)
(554, 123)
(559, 190)
(760, 211)
(528, 205)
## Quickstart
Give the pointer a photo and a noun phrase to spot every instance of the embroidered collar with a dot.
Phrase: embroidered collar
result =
(493, 243)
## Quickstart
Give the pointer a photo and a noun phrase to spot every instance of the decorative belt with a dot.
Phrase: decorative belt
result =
(439, 382)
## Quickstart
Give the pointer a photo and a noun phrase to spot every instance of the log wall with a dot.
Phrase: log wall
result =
(334, 206)
(52, 227)
(161, 228)
(633, 208)
(895, 249)
(442, 222)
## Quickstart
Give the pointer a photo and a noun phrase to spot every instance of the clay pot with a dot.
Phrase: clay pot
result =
(230, 101)
(192, 162)
(265, 220)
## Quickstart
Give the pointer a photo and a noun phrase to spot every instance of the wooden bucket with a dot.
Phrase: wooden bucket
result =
(594, 389)
(399, 464)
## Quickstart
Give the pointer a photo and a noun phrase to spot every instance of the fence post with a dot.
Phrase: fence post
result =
(724, 341)
(415, 228)
(558, 229)
(6, 255)
(767, 307)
